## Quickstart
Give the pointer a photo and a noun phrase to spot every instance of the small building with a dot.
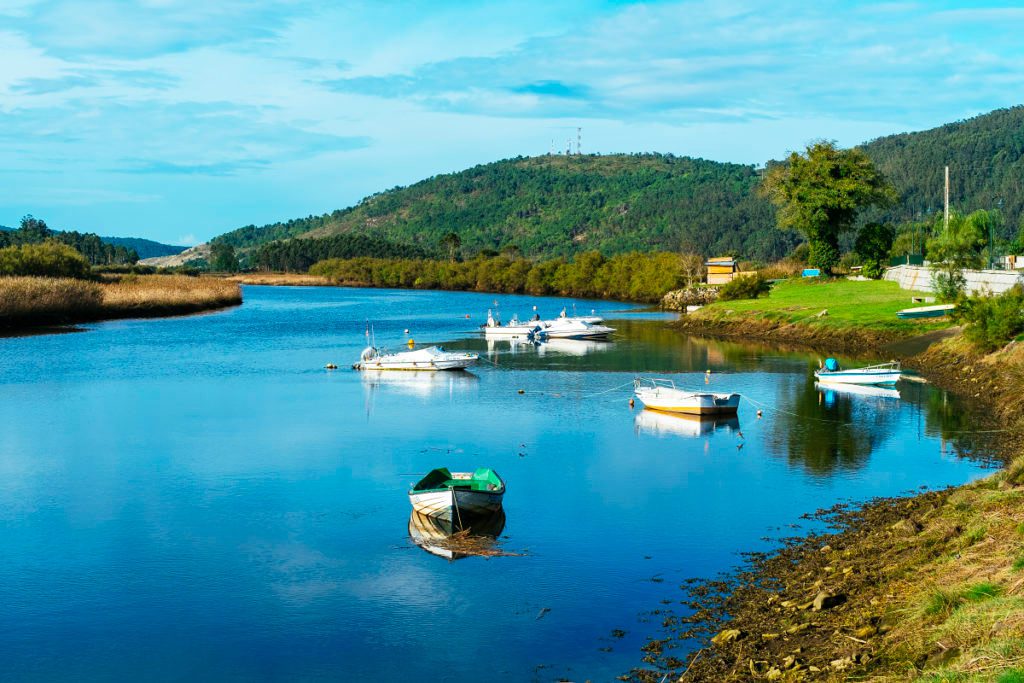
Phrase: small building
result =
(721, 269)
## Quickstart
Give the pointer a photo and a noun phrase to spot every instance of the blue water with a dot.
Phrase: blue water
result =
(198, 498)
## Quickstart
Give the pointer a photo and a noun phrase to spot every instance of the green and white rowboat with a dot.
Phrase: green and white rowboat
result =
(457, 497)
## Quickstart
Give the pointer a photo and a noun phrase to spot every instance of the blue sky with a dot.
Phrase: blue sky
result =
(179, 120)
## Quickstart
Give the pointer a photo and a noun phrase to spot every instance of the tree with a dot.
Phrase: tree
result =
(955, 248)
(452, 242)
(874, 241)
(820, 192)
(222, 257)
(32, 230)
(45, 259)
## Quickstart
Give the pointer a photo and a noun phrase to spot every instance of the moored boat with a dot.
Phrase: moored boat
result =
(926, 311)
(882, 373)
(514, 329)
(432, 358)
(567, 328)
(662, 394)
(457, 497)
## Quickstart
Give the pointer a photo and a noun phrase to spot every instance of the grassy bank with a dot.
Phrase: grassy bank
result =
(923, 588)
(30, 301)
(839, 314)
(282, 279)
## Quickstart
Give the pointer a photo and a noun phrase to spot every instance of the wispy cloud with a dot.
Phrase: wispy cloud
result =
(240, 111)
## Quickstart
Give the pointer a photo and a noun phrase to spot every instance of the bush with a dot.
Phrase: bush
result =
(744, 287)
(46, 259)
(993, 321)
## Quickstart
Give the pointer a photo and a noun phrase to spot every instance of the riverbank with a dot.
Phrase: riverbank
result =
(27, 302)
(831, 315)
(928, 587)
(282, 280)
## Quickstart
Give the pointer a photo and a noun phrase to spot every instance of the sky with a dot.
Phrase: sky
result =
(178, 120)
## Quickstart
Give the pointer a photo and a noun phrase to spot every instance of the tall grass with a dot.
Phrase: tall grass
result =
(47, 298)
(44, 300)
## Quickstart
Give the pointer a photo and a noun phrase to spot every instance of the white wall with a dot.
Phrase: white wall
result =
(919, 278)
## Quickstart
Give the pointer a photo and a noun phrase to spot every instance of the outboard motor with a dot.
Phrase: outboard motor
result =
(368, 354)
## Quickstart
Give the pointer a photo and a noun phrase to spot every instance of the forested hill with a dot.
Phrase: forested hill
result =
(986, 163)
(143, 247)
(561, 205)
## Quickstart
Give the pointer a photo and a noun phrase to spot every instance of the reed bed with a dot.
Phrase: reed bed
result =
(26, 301)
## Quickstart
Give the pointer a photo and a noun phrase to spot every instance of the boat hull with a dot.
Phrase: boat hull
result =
(454, 506)
(874, 377)
(512, 332)
(926, 312)
(689, 403)
(424, 366)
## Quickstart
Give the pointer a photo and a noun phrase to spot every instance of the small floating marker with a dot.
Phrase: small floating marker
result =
(467, 316)
(521, 391)
(407, 330)
(412, 342)
(631, 404)
(759, 413)
(708, 371)
(331, 366)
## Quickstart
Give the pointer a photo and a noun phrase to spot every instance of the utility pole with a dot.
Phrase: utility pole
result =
(945, 215)
(579, 140)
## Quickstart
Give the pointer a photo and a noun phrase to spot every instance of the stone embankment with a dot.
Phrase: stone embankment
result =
(679, 299)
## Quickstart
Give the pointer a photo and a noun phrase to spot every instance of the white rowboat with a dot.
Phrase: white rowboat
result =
(662, 394)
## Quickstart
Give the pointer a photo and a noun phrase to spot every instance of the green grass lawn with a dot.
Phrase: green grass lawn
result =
(864, 304)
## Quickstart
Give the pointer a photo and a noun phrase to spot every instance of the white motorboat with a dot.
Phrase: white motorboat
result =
(513, 329)
(429, 359)
(679, 424)
(662, 394)
(568, 328)
(457, 497)
(593, 318)
(883, 373)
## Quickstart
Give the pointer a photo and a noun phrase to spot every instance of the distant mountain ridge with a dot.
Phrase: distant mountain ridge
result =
(145, 248)
(560, 205)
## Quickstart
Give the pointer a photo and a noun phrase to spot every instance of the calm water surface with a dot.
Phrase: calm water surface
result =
(198, 498)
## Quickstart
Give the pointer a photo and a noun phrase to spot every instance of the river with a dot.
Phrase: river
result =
(198, 497)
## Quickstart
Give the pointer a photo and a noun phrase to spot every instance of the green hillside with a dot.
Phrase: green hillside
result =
(985, 155)
(561, 205)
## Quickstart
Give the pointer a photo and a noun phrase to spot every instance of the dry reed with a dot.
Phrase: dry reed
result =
(44, 300)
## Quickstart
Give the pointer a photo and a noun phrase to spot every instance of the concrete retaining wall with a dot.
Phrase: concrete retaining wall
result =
(919, 278)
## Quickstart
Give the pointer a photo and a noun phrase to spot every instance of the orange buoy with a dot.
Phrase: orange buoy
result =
(631, 404)
(412, 342)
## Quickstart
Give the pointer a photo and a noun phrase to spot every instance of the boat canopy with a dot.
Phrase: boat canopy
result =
(831, 364)
(440, 479)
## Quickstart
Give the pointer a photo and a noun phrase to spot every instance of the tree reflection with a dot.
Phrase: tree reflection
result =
(824, 431)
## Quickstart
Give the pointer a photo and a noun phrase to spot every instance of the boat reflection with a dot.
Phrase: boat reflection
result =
(418, 383)
(831, 390)
(676, 424)
(445, 539)
(573, 347)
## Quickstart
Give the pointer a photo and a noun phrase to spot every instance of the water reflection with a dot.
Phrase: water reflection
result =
(422, 384)
(442, 538)
(573, 347)
(830, 391)
(660, 423)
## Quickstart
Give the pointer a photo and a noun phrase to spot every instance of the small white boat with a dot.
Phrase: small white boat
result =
(679, 424)
(883, 373)
(593, 318)
(432, 358)
(514, 329)
(662, 394)
(457, 497)
(567, 328)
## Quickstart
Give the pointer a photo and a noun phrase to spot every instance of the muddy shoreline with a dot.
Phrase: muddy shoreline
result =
(823, 606)
(47, 324)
